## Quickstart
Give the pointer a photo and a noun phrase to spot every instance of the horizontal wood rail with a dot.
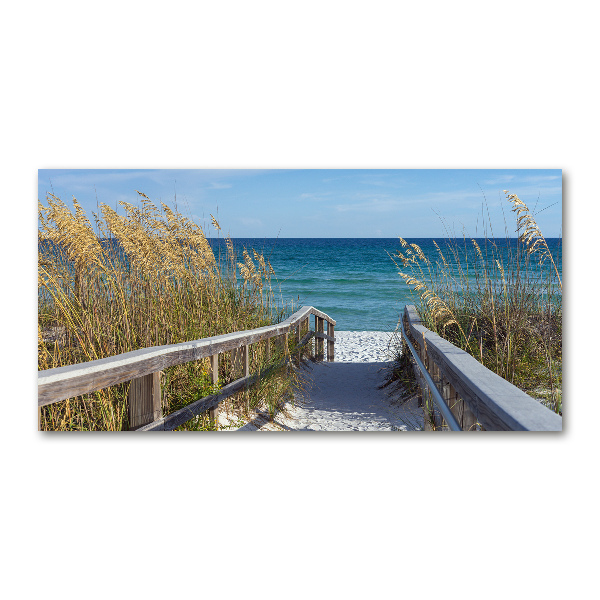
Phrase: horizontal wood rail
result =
(472, 392)
(142, 368)
(211, 402)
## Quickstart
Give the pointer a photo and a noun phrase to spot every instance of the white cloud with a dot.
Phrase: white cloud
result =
(219, 186)
(251, 222)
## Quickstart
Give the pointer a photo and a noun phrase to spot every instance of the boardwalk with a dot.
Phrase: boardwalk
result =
(344, 395)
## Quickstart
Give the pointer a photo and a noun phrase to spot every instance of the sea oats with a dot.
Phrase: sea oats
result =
(478, 250)
(441, 255)
(419, 252)
(263, 266)
(248, 261)
(152, 280)
(529, 232)
(215, 223)
(439, 310)
(500, 296)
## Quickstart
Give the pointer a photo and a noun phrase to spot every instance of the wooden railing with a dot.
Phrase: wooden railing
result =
(143, 368)
(477, 397)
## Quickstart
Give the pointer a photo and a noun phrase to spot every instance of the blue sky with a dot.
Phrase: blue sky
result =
(326, 203)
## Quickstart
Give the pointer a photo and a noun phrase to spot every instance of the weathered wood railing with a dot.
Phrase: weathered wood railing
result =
(474, 394)
(143, 368)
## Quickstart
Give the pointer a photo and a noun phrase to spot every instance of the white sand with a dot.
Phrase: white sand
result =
(364, 346)
(344, 394)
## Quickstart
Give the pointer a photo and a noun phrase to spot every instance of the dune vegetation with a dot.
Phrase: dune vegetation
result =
(146, 276)
(499, 301)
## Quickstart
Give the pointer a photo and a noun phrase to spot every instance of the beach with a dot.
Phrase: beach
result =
(345, 395)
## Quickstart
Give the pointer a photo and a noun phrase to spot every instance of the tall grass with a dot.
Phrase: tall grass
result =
(143, 278)
(502, 303)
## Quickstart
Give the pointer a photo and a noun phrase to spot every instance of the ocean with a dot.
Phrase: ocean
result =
(353, 280)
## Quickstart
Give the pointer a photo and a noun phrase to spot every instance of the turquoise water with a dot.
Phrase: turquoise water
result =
(353, 280)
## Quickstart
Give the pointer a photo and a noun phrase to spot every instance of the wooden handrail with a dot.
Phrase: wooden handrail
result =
(188, 412)
(473, 392)
(70, 381)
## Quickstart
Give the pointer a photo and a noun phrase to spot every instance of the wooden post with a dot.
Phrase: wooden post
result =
(213, 413)
(428, 406)
(459, 408)
(415, 368)
(144, 400)
(246, 355)
(330, 349)
(240, 358)
(449, 399)
(319, 327)
(298, 338)
(268, 350)
(286, 353)
(435, 373)
(235, 363)
(282, 344)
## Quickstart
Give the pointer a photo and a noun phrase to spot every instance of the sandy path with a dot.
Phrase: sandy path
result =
(344, 395)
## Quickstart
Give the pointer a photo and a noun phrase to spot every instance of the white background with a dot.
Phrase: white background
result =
(312, 84)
